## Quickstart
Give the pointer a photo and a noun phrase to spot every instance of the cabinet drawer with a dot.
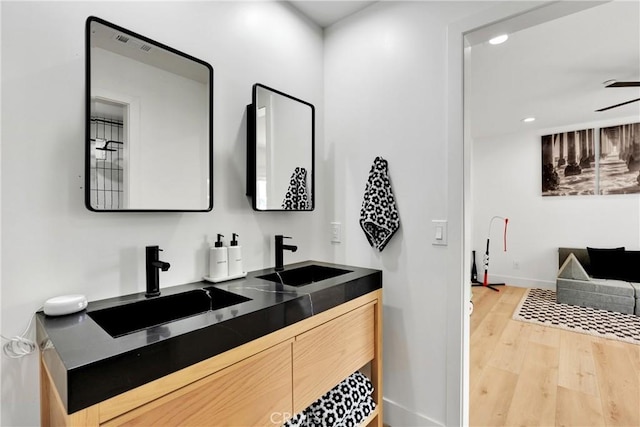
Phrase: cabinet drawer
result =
(255, 391)
(327, 354)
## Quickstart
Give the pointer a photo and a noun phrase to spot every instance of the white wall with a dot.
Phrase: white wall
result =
(507, 182)
(386, 88)
(51, 244)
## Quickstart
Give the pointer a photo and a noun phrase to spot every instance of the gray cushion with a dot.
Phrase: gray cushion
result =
(580, 253)
(572, 269)
(598, 286)
(636, 287)
(601, 301)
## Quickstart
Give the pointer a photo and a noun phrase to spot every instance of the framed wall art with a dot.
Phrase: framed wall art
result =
(592, 161)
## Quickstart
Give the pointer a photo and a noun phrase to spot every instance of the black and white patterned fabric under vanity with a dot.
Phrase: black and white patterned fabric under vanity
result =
(346, 405)
(540, 306)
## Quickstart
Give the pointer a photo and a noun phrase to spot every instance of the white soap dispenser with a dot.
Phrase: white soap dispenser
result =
(218, 265)
(235, 257)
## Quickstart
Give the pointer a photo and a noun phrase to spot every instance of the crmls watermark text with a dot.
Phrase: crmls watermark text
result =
(279, 417)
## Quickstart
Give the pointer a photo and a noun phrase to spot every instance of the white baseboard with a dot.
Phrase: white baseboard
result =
(397, 415)
(523, 282)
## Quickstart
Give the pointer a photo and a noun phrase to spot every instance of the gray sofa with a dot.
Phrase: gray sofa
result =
(575, 287)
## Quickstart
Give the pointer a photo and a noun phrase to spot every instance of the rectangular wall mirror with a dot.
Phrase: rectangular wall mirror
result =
(149, 130)
(280, 151)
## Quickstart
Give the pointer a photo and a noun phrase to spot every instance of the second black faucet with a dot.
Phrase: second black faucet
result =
(154, 264)
(280, 248)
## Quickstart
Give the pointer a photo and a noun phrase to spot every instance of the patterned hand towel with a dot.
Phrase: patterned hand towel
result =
(297, 197)
(379, 215)
(346, 402)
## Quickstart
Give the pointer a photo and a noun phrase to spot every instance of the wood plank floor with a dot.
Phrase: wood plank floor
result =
(523, 374)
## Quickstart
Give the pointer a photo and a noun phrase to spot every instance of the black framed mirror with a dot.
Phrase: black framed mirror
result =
(280, 151)
(149, 124)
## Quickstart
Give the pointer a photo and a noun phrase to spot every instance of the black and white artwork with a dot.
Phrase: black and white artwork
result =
(576, 163)
(569, 163)
(619, 166)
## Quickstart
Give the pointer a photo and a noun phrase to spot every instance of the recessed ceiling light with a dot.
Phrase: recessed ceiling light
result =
(529, 119)
(499, 39)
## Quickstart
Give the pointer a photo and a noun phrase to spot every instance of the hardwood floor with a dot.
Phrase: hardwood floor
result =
(522, 374)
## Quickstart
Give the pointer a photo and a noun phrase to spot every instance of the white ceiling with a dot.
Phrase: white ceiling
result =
(552, 67)
(327, 12)
(555, 72)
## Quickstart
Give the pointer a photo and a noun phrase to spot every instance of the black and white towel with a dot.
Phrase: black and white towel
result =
(346, 405)
(297, 197)
(342, 401)
(298, 420)
(379, 215)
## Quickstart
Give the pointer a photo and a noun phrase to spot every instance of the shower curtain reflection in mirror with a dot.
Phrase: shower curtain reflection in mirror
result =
(109, 153)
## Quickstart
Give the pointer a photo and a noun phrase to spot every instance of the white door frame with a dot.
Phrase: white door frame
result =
(459, 190)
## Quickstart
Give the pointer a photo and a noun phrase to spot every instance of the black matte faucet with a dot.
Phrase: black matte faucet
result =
(153, 275)
(280, 248)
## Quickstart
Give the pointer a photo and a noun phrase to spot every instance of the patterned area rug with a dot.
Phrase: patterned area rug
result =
(540, 306)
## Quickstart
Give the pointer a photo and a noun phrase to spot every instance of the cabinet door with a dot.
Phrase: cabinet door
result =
(255, 391)
(327, 354)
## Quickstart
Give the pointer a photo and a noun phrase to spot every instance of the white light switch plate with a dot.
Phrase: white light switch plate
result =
(336, 232)
(439, 233)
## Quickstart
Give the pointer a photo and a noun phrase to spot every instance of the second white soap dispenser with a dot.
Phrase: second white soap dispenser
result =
(218, 265)
(235, 257)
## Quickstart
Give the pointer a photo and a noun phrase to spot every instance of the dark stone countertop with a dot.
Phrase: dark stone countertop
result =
(88, 365)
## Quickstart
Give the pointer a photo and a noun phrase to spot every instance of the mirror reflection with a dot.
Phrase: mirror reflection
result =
(149, 124)
(280, 151)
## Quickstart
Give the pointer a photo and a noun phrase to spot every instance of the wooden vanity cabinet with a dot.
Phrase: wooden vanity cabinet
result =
(327, 354)
(244, 394)
(261, 383)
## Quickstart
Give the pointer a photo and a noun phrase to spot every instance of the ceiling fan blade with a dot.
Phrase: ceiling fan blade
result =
(623, 84)
(617, 105)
